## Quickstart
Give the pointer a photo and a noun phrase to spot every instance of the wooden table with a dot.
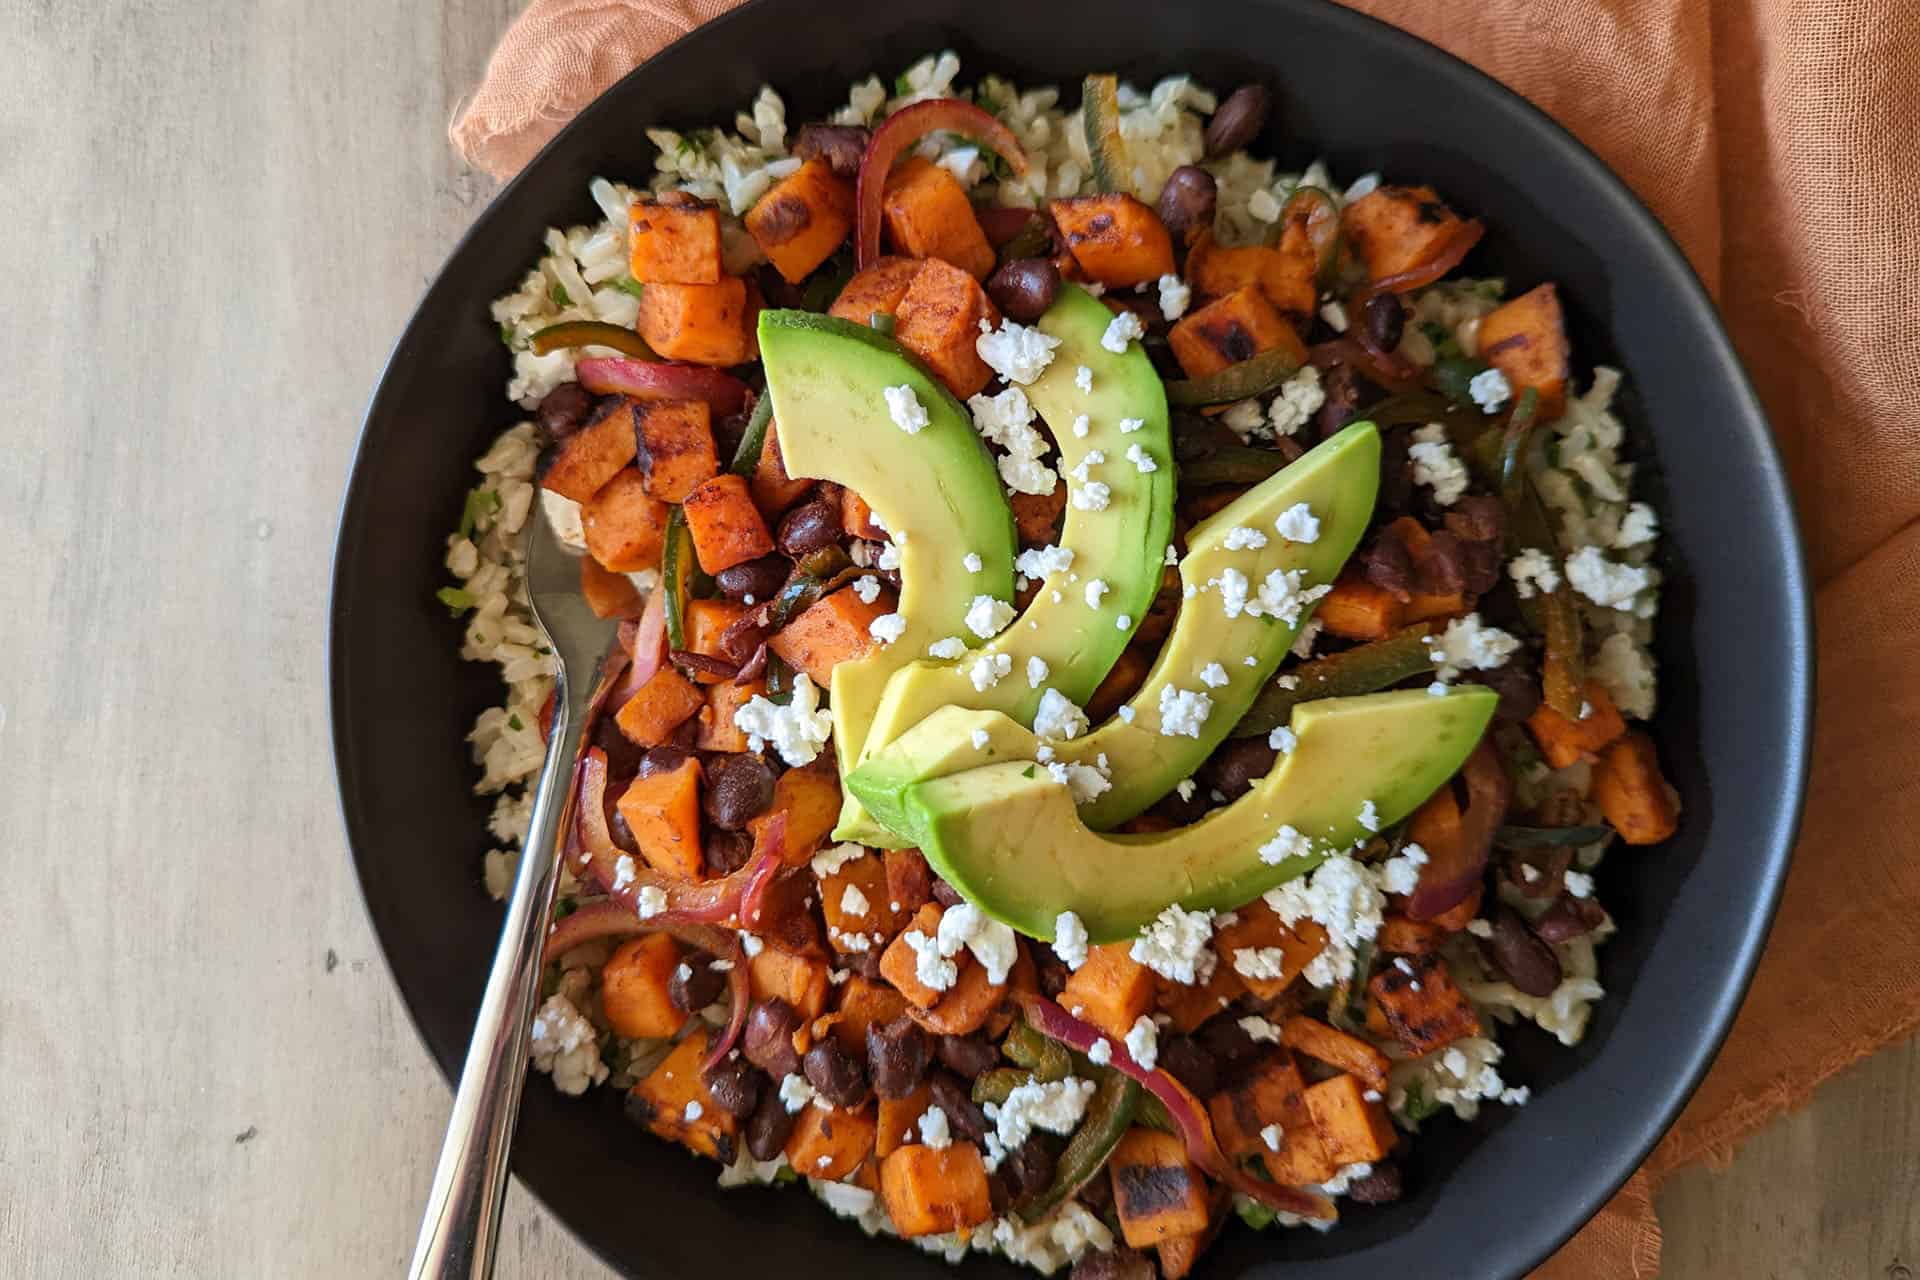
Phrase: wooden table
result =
(216, 218)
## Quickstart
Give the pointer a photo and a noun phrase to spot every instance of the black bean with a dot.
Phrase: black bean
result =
(1051, 970)
(1237, 765)
(624, 755)
(1024, 288)
(663, 759)
(808, 528)
(1025, 1173)
(897, 1057)
(757, 578)
(842, 145)
(1382, 1186)
(727, 851)
(767, 1040)
(1539, 874)
(835, 1074)
(1385, 320)
(745, 635)
(945, 894)
(964, 1120)
(865, 963)
(968, 1055)
(1239, 120)
(771, 1126)
(1517, 683)
(565, 409)
(618, 828)
(1187, 202)
(1515, 950)
(1097, 1195)
(739, 789)
(1116, 1264)
(695, 984)
(1387, 563)
(735, 1085)
(1232, 1048)
(1186, 1061)
(1569, 918)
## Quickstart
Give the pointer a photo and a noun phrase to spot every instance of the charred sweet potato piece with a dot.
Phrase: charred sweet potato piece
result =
(865, 1004)
(1117, 240)
(662, 810)
(899, 1117)
(1406, 235)
(1336, 1048)
(876, 290)
(1157, 1192)
(909, 880)
(1111, 990)
(673, 243)
(1236, 327)
(1302, 1160)
(706, 622)
(659, 707)
(1400, 936)
(633, 988)
(899, 963)
(1632, 792)
(717, 730)
(831, 1144)
(1272, 1093)
(929, 1192)
(810, 797)
(727, 528)
(939, 321)
(832, 630)
(675, 446)
(802, 219)
(674, 1103)
(1354, 1130)
(964, 1007)
(1259, 930)
(801, 981)
(1287, 279)
(1564, 742)
(593, 455)
(1526, 339)
(608, 594)
(709, 324)
(854, 901)
(928, 215)
(625, 526)
(1358, 610)
(773, 489)
(1421, 1006)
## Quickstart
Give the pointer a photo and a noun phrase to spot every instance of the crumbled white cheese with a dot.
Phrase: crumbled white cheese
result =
(1183, 711)
(1083, 379)
(1260, 963)
(889, 556)
(888, 627)
(653, 900)
(565, 1046)
(1638, 527)
(1282, 739)
(1490, 389)
(1070, 939)
(624, 871)
(1122, 329)
(1054, 1106)
(1036, 671)
(1300, 397)
(1101, 1053)
(1284, 594)
(1303, 643)
(1286, 843)
(1480, 928)
(933, 1129)
(1213, 675)
(1093, 496)
(830, 859)
(1533, 572)
(797, 730)
(951, 647)
(1244, 538)
(1369, 816)
(1143, 1042)
(973, 562)
(1095, 589)
(904, 407)
(988, 669)
(1186, 787)
(1174, 297)
(1246, 419)
(1125, 713)
(1273, 1135)
(1082, 426)
(1084, 782)
(933, 969)
(1343, 897)
(692, 1111)
(867, 588)
(1607, 583)
(1298, 524)
(988, 616)
(1015, 351)
(1177, 945)
(1436, 465)
(1007, 420)
(1335, 314)
(991, 942)
(1259, 1029)
(796, 1093)
(853, 902)
(1130, 425)
(1039, 562)
(1142, 460)
(1625, 670)
(1057, 718)
(1092, 458)
(1264, 205)
(1469, 644)
(1579, 884)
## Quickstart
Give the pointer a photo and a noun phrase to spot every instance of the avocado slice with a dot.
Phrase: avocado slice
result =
(936, 490)
(1337, 480)
(1122, 545)
(1008, 837)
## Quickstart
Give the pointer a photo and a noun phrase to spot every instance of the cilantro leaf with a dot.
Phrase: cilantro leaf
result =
(558, 295)
(457, 599)
(627, 284)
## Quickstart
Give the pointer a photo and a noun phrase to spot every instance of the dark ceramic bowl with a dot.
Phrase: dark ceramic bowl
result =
(1485, 1199)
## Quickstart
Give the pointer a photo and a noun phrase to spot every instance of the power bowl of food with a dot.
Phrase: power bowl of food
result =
(1207, 655)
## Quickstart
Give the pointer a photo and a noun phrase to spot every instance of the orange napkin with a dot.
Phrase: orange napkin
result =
(1779, 141)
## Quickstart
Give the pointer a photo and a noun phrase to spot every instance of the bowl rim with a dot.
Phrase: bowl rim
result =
(1701, 315)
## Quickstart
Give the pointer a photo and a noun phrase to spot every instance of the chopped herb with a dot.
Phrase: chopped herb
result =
(1552, 452)
(558, 295)
(1418, 1106)
(902, 86)
(565, 907)
(542, 650)
(515, 723)
(1253, 1213)
(627, 284)
(1027, 772)
(457, 599)
(480, 504)
(683, 146)
(784, 1175)
(506, 335)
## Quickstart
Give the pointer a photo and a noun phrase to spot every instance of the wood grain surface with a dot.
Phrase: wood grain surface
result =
(214, 218)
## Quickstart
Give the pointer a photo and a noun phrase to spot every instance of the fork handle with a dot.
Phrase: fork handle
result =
(461, 1227)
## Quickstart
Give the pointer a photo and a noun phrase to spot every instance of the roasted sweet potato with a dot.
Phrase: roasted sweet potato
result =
(802, 219)
(706, 622)
(909, 880)
(717, 730)
(626, 527)
(833, 630)
(928, 215)
(829, 1145)
(1157, 1192)
(1236, 327)
(1406, 235)
(675, 446)
(1272, 1093)
(673, 243)
(633, 988)
(1357, 610)
(773, 489)
(1036, 516)
(810, 797)
(662, 810)
(1526, 339)
(876, 290)
(965, 1007)
(856, 517)
(1259, 929)
(899, 964)
(900, 1119)
(1400, 936)
(1189, 1006)
(1280, 1097)
(801, 981)
(659, 707)
(939, 321)
(608, 594)
(709, 324)
(874, 923)
(929, 1192)
(676, 1105)
(1354, 1130)
(1564, 742)
(1118, 241)
(1421, 1006)
(1633, 793)
(1336, 1048)
(593, 455)
(1111, 990)
(865, 1004)
(1287, 279)
(727, 528)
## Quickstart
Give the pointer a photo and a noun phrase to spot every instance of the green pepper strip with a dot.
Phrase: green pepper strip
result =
(997, 1085)
(1112, 1109)
(826, 283)
(1347, 1010)
(590, 333)
(1254, 377)
(1366, 668)
(746, 458)
(1319, 217)
(1045, 1057)
(1233, 464)
(676, 571)
(1554, 614)
(1100, 121)
(1544, 837)
(818, 573)
(779, 680)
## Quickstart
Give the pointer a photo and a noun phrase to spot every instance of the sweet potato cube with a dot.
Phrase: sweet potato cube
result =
(1400, 936)
(856, 518)
(801, 981)
(1230, 329)
(651, 715)
(909, 880)
(717, 730)
(965, 1007)
(625, 526)
(1420, 1005)
(608, 594)
(1396, 230)
(1118, 241)
(810, 797)
(1157, 1192)
(899, 963)
(1354, 1130)
(1189, 1006)
(709, 324)
(1633, 793)
(1564, 742)
(675, 446)
(662, 810)
(1036, 516)
(929, 1192)
(675, 1104)
(593, 455)
(854, 901)
(802, 220)
(773, 489)
(863, 1004)
(673, 243)
(832, 630)
(1279, 1096)
(1260, 931)
(900, 1119)
(1358, 610)
(706, 622)
(939, 321)
(1266, 1095)
(633, 988)
(1526, 339)
(727, 528)
(1336, 1048)
(1287, 279)
(928, 215)
(1111, 990)
(831, 1144)
(876, 290)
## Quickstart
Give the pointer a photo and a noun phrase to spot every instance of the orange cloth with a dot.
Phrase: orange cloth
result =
(1779, 141)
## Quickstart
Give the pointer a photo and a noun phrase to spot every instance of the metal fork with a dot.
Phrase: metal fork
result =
(461, 1227)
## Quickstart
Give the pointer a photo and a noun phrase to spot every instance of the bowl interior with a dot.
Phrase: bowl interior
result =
(1487, 1198)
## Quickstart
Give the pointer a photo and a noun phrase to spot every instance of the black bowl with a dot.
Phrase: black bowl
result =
(1487, 1199)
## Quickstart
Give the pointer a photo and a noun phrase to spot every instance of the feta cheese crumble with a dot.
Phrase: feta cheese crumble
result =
(973, 562)
(653, 900)
(1142, 460)
(988, 616)
(1607, 583)
(1282, 739)
(988, 669)
(1143, 1042)
(797, 730)
(1036, 672)
(796, 1093)
(853, 902)
(1095, 589)
(1093, 496)
(934, 1132)
(1469, 644)
(1058, 718)
(1122, 329)
(1246, 419)
(1342, 896)
(1056, 1107)
(1286, 843)
(1177, 945)
(1273, 1135)
(1101, 1053)
(1244, 538)
(867, 588)
(1213, 675)
(1638, 527)
(1259, 1030)
(1007, 420)
(566, 1047)
(1299, 398)
(1298, 524)
(991, 942)
(1130, 425)
(1263, 964)
(1579, 884)
(904, 407)
(888, 627)
(1533, 573)
(829, 860)
(1436, 465)
(980, 738)
(1015, 351)
(1039, 562)
(949, 648)
(1083, 379)
(1490, 389)
(1369, 816)
(1174, 297)
(934, 970)
(1183, 711)
(1082, 426)
(1070, 939)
